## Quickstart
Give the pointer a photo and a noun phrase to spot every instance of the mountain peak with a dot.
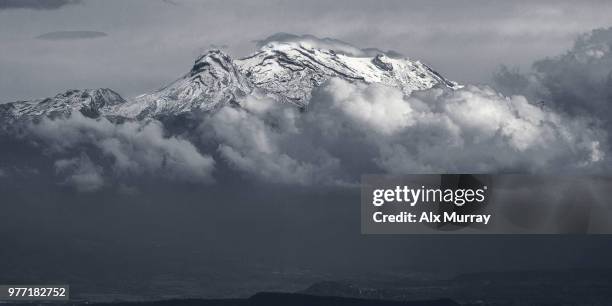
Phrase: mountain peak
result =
(212, 59)
(308, 42)
(290, 67)
(213, 80)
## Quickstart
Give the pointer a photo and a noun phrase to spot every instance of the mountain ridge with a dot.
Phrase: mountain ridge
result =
(286, 71)
(90, 102)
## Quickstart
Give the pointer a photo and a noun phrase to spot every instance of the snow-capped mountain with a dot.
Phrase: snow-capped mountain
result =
(90, 102)
(291, 70)
(286, 71)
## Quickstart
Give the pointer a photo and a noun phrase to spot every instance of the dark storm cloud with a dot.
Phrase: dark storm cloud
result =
(71, 35)
(36, 4)
(578, 82)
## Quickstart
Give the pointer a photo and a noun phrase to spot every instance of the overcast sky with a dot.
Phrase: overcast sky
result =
(137, 46)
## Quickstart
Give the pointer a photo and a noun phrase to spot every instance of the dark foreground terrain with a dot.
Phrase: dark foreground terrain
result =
(550, 287)
(286, 299)
(269, 299)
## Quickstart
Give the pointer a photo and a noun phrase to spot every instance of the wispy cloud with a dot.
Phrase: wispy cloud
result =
(171, 2)
(36, 4)
(71, 35)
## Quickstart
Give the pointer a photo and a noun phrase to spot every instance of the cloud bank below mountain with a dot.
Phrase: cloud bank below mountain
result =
(348, 130)
(86, 149)
(351, 129)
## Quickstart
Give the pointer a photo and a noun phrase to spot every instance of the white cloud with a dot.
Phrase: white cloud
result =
(472, 129)
(134, 148)
(351, 129)
(261, 138)
(361, 103)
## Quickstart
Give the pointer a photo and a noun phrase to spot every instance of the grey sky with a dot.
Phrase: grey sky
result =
(150, 43)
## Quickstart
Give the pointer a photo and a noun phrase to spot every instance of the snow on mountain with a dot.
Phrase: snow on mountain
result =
(90, 102)
(213, 80)
(290, 70)
(286, 71)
